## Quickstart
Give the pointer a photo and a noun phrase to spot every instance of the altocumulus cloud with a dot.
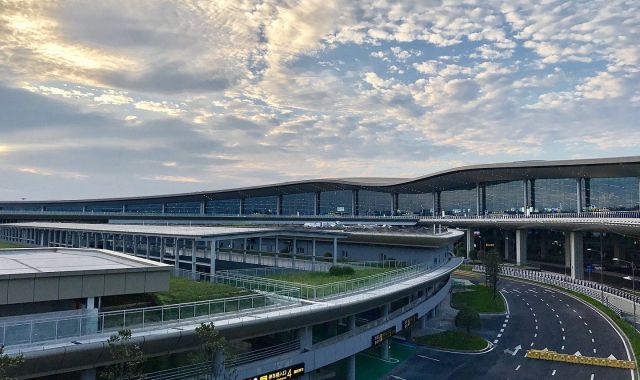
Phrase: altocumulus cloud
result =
(131, 98)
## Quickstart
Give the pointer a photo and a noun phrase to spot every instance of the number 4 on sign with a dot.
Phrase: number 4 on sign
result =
(515, 350)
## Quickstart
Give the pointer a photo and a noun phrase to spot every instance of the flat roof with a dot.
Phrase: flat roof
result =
(61, 261)
(179, 231)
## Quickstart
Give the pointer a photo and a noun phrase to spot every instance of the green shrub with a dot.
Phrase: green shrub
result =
(328, 254)
(337, 270)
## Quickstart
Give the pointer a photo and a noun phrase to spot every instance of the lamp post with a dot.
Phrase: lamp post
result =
(601, 269)
(633, 286)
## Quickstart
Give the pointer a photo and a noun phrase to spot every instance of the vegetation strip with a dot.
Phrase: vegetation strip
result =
(480, 299)
(454, 340)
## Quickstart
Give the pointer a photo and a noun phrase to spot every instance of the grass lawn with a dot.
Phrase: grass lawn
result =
(455, 340)
(9, 245)
(185, 290)
(479, 299)
(322, 278)
(181, 290)
(466, 267)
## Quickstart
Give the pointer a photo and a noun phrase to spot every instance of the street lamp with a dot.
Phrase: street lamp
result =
(633, 286)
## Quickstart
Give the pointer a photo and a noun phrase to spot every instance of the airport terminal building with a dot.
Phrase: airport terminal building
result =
(551, 212)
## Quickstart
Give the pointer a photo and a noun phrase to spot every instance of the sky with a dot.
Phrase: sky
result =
(125, 98)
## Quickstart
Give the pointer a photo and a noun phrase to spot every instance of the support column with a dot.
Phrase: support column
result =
(162, 248)
(521, 247)
(276, 253)
(544, 243)
(587, 193)
(260, 251)
(316, 203)
(244, 250)
(617, 249)
(525, 188)
(395, 204)
(567, 251)
(148, 251)
(212, 261)
(468, 233)
(479, 210)
(176, 253)
(279, 205)
(335, 251)
(305, 334)
(507, 244)
(354, 203)
(313, 254)
(294, 253)
(135, 245)
(577, 259)
(384, 346)
(193, 259)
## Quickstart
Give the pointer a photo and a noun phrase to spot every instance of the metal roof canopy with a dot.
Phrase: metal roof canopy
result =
(461, 177)
(186, 232)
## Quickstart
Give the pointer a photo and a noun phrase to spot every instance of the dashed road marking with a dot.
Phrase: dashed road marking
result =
(499, 335)
(518, 367)
(504, 325)
(590, 332)
(562, 329)
(536, 327)
(553, 373)
(580, 316)
(563, 337)
(593, 340)
(535, 335)
(592, 376)
(495, 341)
(426, 357)
(531, 344)
(501, 330)
(562, 348)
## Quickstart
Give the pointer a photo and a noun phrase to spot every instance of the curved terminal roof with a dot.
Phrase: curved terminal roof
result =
(456, 178)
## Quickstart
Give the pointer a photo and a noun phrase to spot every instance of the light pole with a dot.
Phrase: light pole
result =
(601, 269)
(633, 286)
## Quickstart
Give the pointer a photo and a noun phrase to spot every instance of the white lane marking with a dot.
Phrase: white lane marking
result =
(562, 348)
(527, 303)
(553, 373)
(552, 309)
(562, 329)
(567, 305)
(592, 376)
(531, 344)
(504, 325)
(531, 308)
(535, 320)
(536, 327)
(501, 330)
(499, 335)
(560, 322)
(593, 340)
(586, 324)
(594, 351)
(580, 316)
(563, 337)
(495, 341)
(590, 332)
(426, 357)
(397, 377)
(557, 316)
(574, 310)
(535, 335)
(507, 316)
(518, 367)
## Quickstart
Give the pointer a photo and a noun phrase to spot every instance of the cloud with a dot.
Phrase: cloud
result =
(171, 178)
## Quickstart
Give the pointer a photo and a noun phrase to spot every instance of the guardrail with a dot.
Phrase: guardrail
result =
(255, 280)
(559, 215)
(592, 289)
(41, 330)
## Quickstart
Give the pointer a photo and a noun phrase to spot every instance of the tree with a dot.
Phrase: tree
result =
(468, 319)
(8, 363)
(128, 357)
(492, 272)
(212, 345)
(473, 254)
(460, 250)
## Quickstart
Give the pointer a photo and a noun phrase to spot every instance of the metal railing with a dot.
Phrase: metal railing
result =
(255, 279)
(41, 330)
(559, 215)
(599, 292)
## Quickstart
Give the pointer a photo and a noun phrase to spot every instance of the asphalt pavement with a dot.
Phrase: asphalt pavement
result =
(537, 318)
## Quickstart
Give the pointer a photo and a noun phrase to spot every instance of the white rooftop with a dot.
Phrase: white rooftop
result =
(173, 230)
(57, 260)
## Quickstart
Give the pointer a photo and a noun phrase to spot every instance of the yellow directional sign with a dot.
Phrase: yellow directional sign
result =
(578, 359)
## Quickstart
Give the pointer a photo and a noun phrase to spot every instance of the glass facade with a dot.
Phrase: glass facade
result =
(182, 208)
(611, 194)
(458, 202)
(223, 207)
(374, 203)
(335, 202)
(105, 208)
(261, 205)
(298, 204)
(555, 195)
(507, 197)
(65, 208)
(415, 204)
(152, 208)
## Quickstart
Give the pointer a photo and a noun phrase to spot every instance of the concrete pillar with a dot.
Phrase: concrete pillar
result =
(305, 334)
(354, 203)
(384, 346)
(351, 367)
(148, 250)
(507, 244)
(294, 253)
(193, 259)
(135, 245)
(316, 203)
(567, 250)
(260, 251)
(276, 253)
(162, 248)
(176, 252)
(479, 210)
(468, 234)
(521, 247)
(313, 254)
(577, 259)
(244, 250)
(617, 248)
(213, 256)
(335, 251)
